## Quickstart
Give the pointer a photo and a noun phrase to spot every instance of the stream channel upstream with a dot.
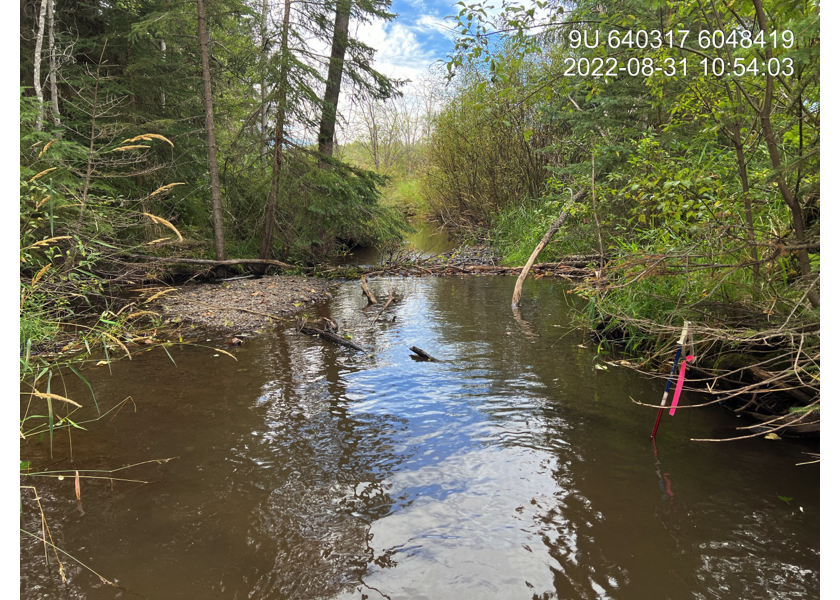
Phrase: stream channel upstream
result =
(513, 469)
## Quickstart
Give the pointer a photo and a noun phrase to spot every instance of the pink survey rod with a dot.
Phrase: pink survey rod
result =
(664, 402)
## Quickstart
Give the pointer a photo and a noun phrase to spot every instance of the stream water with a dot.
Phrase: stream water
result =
(513, 469)
(426, 240)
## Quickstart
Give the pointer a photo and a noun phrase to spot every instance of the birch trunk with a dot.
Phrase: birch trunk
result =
(53, 67)
(39, 45)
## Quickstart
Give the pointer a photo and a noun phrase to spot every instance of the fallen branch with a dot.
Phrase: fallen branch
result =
(229, 262)
(390, 299)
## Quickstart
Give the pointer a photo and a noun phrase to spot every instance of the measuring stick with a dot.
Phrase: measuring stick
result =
(664, 402)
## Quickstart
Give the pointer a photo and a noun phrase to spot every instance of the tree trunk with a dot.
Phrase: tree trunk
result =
(94, 112)
(595, 214)
(53, 73)
(39, 45)
(739, 153)
(745, 189)
(773, 150)
(326, 135)
(263, 105)
(279, 134)
(215, 187)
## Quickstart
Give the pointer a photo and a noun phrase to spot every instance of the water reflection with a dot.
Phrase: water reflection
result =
(512, 469)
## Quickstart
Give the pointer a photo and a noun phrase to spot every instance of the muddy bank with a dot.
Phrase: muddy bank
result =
(244, 304)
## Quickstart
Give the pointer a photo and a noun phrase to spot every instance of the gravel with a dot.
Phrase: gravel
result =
(244, 304)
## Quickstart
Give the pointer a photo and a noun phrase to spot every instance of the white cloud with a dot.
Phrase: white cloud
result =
(428, 22)
(399, 53)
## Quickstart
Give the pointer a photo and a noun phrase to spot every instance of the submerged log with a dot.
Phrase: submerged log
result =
(808, 423)
(325, 334)
(422, 355)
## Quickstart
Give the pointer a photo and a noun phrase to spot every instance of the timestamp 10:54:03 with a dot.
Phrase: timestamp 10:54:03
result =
(671, 67)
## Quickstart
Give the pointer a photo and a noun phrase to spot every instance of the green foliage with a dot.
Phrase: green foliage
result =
(322, 207)
(326, 208)
(484, 152)
(405, 195)
(688, 194)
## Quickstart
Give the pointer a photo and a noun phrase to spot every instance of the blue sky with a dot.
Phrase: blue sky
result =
(411, 43)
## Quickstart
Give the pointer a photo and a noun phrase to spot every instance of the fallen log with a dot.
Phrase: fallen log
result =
(777, 383)
(422, 355)
(229, 262)
(809, 424)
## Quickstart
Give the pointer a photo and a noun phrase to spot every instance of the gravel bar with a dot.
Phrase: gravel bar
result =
(244, 304)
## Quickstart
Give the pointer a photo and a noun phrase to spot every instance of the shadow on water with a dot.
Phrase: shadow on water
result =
(512, 469)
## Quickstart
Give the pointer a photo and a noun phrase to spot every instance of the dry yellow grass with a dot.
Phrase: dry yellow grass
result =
(165, 223)
(47, 396)
(45, 148)
(158, 295)
(42, 173)
(165, 188)
(47, 242)
(40, 274)
(119, 343)
(147, 137)
(140, 313)
(133, 147)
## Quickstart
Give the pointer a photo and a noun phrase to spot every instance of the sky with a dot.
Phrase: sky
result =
(414, 41)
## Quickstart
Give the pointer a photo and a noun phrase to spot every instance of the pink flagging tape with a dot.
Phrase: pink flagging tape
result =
(680, 381)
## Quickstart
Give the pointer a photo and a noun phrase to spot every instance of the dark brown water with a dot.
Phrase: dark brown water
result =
(515, 469)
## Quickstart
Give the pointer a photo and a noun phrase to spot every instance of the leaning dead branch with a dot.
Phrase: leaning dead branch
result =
(557, 224)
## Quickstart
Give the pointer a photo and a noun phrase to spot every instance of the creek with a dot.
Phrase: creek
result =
(515, 468)
(426, 240)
